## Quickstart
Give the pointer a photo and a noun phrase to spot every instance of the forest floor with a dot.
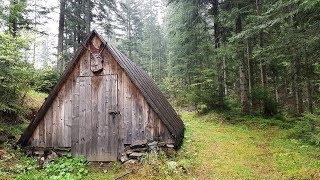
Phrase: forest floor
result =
(213, 148)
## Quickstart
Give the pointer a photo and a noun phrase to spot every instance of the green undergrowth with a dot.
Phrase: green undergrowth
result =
(16, 165)
(33, 100)
(251, 150)
(14, 129)
(306, 128)
(215, 147)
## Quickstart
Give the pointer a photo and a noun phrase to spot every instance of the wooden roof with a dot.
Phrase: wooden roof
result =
(143, 82)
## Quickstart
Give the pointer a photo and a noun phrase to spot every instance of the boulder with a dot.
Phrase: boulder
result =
(131, 161)
(154, 143)
(52, 156)
(124, 158)
(136, 155)
(161, 144)
(129, 152)
(170, 145)
(138, 144)
(140, 150)
(38, 153)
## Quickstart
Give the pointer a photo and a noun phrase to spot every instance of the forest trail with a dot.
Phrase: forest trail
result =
(235, 151)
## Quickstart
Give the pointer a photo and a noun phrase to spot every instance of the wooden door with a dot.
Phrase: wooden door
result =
(95, 126)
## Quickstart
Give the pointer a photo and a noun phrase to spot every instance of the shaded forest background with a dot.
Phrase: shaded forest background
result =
(253, 57)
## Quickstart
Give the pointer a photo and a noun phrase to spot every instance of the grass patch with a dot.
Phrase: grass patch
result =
(214, 148)
(249, 151)
(33, 100)
(15, 130)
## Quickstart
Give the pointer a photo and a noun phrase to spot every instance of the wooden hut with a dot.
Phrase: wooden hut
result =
(102, 103)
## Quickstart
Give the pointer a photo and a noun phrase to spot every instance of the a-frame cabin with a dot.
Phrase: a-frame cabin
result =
(102, 103)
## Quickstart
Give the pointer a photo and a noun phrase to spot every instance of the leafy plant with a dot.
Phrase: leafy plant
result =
(13, 77)
(307, 128)
(44, 80)
(67, 168)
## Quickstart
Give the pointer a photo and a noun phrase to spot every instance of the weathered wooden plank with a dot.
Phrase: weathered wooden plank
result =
(85, 64)
(148, 123)
(161, 130)
(68, 113)
(125, 108)
(157, 125)
(139, 117)
(128, 113)
(105, 64)
(61, 127)
(134, 129)
(108, 116)
(35, 138)
(97, 119)
(151, 123)
(101, 120)
(42, 134)
(168, 138)
(49, 127)
(115, 121)
(75, 118)
(88, 122)
(82, 116)
(95, 87)
(145, 110)
(120, 108)
(55, 121)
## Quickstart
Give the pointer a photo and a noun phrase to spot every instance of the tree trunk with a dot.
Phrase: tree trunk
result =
(262, 66)
(225, 76)
(297, 90)
(243, 79)
(249, 63)
(245, 107)
(310, 101)
(88, 16)
(217, 40)
(60, 35)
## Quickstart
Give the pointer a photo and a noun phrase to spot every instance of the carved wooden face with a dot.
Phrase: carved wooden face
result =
(96, 60)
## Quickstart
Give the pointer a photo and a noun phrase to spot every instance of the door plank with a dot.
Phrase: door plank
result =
(75, 119)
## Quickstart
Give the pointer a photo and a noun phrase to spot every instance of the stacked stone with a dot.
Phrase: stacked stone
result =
(137, 150)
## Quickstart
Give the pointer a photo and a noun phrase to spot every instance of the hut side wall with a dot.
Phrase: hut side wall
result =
(138, 122)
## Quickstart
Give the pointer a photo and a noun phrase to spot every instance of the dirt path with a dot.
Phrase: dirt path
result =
(228, 151)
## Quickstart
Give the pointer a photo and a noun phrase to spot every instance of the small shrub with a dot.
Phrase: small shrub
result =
(67, 168)
(307, 128)
(44, 80)
(263, 95)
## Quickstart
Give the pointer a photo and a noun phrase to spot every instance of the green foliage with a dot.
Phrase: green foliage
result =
(263, 95)
(67, 168)
(16, 129)
(191, 55)
(44, 80)
(276, 45)
(15, 16)
(62, 168)
(307, 128)
(13, 162)
(13, 76)
(17, 165)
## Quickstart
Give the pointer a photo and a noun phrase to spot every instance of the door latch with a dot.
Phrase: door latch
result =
(114, 113)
